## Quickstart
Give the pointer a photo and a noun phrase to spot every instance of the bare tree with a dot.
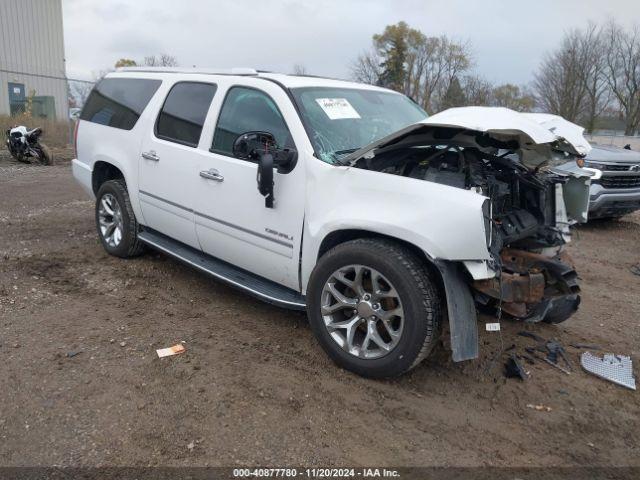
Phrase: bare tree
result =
(79, 92)
(596, 86)
(162, 60)
(366, 68)
(559, 84)
(478, 91)
(421, 67)
(442, 61)
(623, 72)
(299, 69)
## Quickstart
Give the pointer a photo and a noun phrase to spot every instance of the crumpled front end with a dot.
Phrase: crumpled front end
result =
(508, 158)
(532, 286)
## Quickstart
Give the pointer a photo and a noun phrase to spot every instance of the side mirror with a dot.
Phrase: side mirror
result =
(264, 178)
(251, 144)
(262, 147)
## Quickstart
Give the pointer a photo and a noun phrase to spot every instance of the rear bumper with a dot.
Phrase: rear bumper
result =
(83, 175)
(608, 202)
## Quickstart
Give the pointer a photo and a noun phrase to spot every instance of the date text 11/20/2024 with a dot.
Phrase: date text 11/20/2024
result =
(315, 473)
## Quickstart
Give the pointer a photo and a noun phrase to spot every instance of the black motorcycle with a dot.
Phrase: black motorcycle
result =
(25, 144)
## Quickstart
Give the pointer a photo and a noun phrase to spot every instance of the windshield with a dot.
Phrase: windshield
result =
(343, 120)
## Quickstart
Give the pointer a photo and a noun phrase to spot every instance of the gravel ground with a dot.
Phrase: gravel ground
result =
(82, 385)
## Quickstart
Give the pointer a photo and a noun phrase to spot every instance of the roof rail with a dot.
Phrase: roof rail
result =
(308, 75)
(194, 70)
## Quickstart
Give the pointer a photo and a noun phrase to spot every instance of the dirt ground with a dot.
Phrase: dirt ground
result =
(82, 385)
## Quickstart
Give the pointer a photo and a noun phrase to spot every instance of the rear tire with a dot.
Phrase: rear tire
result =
(114, 214)
(415, 293)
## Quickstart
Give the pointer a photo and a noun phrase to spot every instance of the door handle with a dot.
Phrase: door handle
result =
(151, 155)
(212, 175)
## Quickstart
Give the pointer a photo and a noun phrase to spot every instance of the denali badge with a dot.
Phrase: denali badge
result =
(279, 234)
(634, 168)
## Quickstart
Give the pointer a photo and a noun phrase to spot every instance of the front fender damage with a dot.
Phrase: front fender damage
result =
(530, 286)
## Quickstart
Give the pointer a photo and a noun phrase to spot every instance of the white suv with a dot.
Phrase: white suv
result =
(339, 198)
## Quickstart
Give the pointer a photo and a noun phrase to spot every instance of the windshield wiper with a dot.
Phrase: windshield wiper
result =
(343, 152)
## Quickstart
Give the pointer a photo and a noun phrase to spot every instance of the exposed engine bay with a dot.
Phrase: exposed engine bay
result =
(526, 217)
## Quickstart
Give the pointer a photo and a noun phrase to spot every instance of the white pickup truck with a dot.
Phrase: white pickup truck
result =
(342, 199)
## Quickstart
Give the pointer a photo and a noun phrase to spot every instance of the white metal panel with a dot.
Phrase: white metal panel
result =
(232, 221)
(445, 222)
(32, 44)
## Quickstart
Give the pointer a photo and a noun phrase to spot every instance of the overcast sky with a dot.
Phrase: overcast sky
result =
(509, 37)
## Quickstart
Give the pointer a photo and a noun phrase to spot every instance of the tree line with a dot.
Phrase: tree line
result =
(78, 92)
(594, 72)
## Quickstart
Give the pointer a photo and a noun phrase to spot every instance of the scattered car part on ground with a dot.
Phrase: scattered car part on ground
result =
(532, 335)
(514, 368)
(585, 346)
(552, 349)
(615, 368)
(556, 351)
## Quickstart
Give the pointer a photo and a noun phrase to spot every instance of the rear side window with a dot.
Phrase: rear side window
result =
(184, 111)
(119, 102)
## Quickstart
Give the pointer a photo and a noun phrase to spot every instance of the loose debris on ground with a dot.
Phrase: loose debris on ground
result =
(615, 368)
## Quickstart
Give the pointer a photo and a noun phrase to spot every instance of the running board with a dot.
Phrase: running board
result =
(256, 286)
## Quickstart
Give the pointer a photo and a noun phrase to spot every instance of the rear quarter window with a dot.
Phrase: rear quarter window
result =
(119, 102)
(184, 111)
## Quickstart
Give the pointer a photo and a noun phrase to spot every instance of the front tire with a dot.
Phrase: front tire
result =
(46, 157)
(13, 153)
(115, 220)
(374, 307)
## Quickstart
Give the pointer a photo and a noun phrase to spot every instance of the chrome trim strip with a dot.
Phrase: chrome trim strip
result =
(242, 229)
(217, 220)
(243, 238)
(221, 277)
(183, 216)
(177, 205)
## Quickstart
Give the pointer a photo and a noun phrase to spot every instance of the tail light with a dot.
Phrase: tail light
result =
(75, 138)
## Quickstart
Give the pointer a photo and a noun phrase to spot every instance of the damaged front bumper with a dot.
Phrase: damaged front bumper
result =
(532, 286)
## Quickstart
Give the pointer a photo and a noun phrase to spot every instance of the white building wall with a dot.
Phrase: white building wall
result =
(32, 50)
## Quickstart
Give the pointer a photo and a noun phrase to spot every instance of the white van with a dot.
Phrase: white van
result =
(339, 198)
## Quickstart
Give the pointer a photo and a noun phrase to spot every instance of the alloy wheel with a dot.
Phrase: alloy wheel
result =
(110, 220)
(362, 311)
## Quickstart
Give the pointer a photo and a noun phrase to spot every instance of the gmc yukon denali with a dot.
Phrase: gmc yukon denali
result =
(342, 199)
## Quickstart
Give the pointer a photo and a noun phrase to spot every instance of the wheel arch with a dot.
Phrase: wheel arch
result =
(336, 237)
(104, 171)
(451, 280)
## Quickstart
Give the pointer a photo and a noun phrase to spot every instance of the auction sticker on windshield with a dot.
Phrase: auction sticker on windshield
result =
(337, 108)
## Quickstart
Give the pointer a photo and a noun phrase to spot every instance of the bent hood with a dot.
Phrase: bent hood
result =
(537, 134)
